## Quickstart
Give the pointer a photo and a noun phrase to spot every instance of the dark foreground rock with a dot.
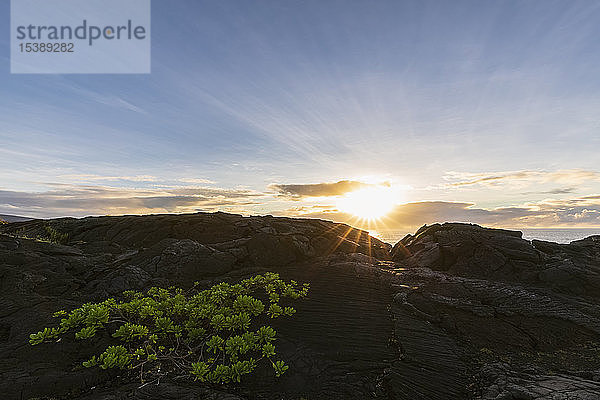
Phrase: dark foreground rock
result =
(460, 312)
(519, 319)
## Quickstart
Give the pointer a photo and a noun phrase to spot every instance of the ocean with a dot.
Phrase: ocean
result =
(560, 235)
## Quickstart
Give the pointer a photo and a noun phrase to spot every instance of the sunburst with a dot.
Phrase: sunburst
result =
(370, 203)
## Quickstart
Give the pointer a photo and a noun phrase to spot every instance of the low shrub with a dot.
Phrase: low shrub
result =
(210, 336)
(56, 236)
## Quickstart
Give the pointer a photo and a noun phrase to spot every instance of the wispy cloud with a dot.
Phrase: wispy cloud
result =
(573, 176)
(563, 190)
(196, 181)
(108, 100)
(93, 177)
(566, 190)
(142, 179)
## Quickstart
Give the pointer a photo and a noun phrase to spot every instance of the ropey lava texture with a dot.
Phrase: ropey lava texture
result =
(454, 312)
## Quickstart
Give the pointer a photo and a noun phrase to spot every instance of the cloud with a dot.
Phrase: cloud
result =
(564, 190)
(321, 189)
(80, 178)
(408, 217)
(561, 190)
(94, 178)
(198, 181)
(82, 200)
(571, 176)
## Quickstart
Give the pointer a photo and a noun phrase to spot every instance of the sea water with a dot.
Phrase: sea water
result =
(557, 235)
(563, 235)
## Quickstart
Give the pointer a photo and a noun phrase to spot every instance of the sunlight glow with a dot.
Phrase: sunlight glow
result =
(369, 203)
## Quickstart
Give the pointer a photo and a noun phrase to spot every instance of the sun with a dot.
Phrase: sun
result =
(370, 203)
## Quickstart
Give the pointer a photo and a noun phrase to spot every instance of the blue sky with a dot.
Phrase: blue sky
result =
(477, 111)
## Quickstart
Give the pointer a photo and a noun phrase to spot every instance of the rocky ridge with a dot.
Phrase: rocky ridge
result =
(454, 311)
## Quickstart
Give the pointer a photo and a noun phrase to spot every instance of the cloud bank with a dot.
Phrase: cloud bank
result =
(83, 200)
(565, 207)
(410, 216)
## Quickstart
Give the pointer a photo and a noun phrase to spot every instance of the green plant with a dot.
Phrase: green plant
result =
(56, 236)
(3, 222)
(213, 335)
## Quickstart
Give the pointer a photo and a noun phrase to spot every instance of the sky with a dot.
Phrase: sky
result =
(379, 114)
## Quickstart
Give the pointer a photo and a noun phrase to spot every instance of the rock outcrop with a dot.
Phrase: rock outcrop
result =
(455, 311)
(520, 319)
